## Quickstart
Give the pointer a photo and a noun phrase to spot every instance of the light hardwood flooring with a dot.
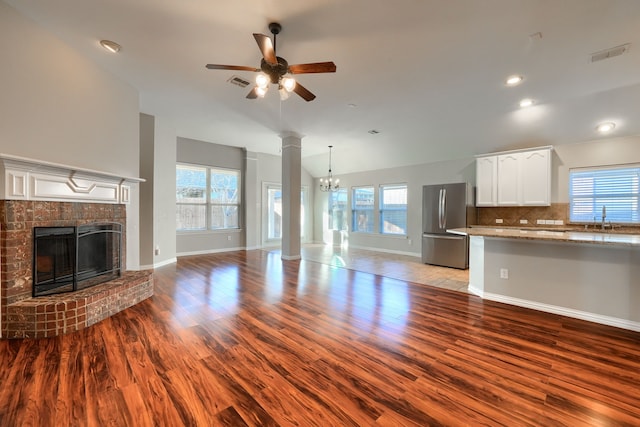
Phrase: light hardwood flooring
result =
(395, 266)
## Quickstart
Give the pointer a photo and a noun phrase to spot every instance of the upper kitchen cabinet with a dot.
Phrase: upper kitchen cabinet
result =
(486, 181)
(514, 178)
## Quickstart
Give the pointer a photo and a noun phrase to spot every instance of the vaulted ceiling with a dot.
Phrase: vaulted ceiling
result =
(428, 75)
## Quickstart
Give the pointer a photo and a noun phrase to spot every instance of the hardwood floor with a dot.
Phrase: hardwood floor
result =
(244, 338)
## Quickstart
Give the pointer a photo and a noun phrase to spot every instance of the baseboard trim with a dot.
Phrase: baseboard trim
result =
(158, 264)
(209, 251)
(563, 311)
(388, 251)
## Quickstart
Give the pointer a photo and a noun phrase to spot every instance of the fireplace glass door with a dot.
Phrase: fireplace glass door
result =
(54, 260)
(72, 258)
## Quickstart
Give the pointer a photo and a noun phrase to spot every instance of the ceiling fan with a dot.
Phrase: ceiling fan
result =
(276, 70)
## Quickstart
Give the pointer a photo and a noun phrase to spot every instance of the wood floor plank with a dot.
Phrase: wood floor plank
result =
(246, 339)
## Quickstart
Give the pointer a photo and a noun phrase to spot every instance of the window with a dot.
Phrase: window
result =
(616, 189)
(274, 212)
(362, 209)
(393, 209)
(273, 193)
(338, 209)
(207, 198)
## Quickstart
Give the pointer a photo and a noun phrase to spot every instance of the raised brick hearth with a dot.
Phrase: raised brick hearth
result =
(26, 317)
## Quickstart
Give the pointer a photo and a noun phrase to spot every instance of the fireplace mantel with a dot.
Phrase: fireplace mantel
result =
(29, 179)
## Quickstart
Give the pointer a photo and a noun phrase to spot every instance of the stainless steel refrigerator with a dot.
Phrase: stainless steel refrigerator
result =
(445, 207)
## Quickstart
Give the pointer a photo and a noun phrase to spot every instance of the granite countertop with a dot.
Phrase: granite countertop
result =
(571, 236)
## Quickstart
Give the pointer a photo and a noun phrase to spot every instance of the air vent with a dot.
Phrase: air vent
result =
(238, 81)
(610, 53)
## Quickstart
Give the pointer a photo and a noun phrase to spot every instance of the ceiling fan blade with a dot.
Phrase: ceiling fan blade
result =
(303, 92)
(266, 47)
(231, 67)
(317, 67)
(252, 94)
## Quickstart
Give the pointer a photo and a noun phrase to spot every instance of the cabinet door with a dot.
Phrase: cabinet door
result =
(535, 178)
(508, 179)
(486, 181)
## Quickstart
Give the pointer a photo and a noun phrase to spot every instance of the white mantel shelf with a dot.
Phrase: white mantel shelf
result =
(31, 179)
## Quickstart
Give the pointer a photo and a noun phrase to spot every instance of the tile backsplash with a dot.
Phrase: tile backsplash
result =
(525, 216)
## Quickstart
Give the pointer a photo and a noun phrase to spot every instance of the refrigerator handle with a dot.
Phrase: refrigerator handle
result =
(440, 205)
(444, 208)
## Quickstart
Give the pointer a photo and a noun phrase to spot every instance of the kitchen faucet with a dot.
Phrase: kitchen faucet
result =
(604, 215)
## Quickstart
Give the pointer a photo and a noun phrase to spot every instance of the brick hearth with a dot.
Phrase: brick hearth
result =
(24, 316)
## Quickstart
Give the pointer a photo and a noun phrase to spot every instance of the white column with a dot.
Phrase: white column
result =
(291, 176)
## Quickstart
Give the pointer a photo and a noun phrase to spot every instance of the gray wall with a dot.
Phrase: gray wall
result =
(191, 151)
(415, 177)
(158, 192)
(58, 106)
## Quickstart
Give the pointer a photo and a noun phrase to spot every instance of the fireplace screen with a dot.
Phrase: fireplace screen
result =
(66, 259)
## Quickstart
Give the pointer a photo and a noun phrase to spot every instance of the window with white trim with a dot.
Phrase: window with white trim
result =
(393, 209)
(362, 209)
(207, 198)
(338, 209)
(614, 191)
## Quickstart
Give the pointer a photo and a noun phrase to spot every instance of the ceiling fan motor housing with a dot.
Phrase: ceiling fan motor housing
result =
(275, 71)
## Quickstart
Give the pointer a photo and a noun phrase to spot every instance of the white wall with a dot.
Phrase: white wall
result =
(58, 106)
(415, 177)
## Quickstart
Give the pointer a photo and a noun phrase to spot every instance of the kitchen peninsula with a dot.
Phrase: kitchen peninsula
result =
(593, 276)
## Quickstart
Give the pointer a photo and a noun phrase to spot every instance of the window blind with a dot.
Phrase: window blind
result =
(616, 189)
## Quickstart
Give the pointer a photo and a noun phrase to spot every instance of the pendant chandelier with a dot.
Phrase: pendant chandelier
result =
(328, 184)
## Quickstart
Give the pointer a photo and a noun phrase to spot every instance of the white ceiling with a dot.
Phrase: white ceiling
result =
(427, 74)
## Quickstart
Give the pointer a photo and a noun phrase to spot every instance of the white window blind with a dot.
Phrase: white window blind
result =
(617, 189)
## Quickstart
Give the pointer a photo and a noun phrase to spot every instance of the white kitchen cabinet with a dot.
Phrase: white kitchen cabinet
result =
(486, 181)
(514, 178)
(535, 177)
(509, 181)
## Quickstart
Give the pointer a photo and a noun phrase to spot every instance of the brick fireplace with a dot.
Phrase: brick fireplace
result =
(101, 198)
(26, 317)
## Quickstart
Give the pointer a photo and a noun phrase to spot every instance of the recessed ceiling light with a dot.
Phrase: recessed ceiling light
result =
(112, 47)
(514, 80)
(527, 102)
(605, 127)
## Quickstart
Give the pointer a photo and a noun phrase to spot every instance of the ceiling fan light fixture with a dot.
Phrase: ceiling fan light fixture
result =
(284, 94)
(261, 91)
(262, 80)
(288, 82)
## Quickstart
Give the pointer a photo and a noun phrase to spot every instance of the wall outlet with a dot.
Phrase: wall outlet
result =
(498, 221)
(410, 241)
(229, 238)
(157, 251)
(504, 273)
(524, 221)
